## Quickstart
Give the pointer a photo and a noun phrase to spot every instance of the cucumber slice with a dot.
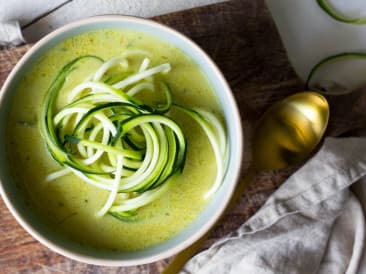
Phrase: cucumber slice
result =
(338, 74)
(337, 13)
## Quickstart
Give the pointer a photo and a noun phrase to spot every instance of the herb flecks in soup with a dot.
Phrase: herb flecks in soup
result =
(136, 136)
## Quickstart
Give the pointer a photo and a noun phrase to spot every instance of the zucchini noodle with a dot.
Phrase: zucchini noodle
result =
(111, 140)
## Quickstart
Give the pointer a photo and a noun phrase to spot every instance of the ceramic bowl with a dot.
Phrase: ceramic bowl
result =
(201, 224)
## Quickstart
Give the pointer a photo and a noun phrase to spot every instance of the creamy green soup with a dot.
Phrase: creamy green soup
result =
(68, 204)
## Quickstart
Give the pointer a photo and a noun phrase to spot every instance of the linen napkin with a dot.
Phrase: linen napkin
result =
(312, 224)
(10, 34)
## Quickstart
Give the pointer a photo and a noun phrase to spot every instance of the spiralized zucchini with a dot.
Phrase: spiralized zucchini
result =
(111, 140)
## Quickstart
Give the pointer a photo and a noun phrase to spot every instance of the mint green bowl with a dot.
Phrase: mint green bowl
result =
(197, 228)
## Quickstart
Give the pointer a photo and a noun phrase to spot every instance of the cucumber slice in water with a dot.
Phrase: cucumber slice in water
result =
(337, 10)
(338, 74)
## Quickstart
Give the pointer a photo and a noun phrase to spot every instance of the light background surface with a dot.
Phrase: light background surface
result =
(39, 17)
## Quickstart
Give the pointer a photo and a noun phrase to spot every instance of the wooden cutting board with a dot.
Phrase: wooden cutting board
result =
(242, 39)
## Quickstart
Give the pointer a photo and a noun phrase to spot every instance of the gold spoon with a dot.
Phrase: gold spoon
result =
(286, 135)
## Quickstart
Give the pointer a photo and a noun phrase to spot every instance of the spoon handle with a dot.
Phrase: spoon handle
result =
(179, 260)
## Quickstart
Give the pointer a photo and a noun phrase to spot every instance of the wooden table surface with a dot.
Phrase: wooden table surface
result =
(242, 39)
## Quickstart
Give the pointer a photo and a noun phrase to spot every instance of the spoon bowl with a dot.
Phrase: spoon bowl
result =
(289, 131)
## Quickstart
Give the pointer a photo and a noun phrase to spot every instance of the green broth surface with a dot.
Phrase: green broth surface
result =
(68, 204)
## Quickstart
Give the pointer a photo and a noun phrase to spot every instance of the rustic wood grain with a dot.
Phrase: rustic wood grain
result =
(242, 39)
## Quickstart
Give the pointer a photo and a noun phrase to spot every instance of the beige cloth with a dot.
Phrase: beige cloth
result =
(312, 224)
(10, 34)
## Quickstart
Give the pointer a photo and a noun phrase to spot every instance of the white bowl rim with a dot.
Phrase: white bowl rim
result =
(238, 125)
